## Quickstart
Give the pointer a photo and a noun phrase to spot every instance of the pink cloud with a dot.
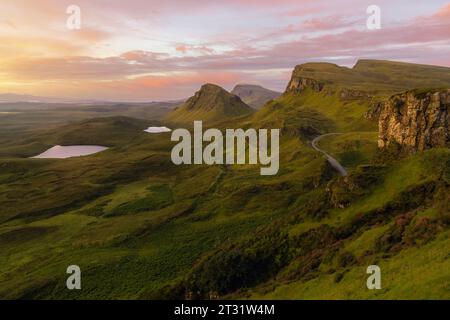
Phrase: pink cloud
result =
(254, 54)
(185, 48)
(443, 13)
(327, 23)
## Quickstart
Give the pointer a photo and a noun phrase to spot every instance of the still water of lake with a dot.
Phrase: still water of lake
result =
(157, 129)
(63, 152)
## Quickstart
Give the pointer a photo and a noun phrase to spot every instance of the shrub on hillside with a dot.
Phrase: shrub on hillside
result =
(238, 265)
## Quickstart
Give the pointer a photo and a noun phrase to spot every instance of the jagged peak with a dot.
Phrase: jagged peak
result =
(210, 102)
(209, 86)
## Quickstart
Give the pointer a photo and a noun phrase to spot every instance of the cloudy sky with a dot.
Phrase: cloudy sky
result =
(165, 49)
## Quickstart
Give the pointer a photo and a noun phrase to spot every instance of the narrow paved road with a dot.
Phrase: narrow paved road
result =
(334, 163)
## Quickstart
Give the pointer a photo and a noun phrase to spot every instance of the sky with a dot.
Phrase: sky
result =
(140, 50)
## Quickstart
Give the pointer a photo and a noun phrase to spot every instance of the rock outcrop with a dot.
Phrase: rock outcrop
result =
(316, 76)
(299, 84)
(353, 94)
(415, 120)
(301, 79)
(373, 113)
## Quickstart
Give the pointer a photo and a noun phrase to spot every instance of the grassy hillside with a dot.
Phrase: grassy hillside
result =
(405, 234)
(141, 227)
(377, 76)
(154, 224)
(313, 113)
(210, 104)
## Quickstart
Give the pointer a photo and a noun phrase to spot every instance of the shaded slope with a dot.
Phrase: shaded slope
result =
(253, 95)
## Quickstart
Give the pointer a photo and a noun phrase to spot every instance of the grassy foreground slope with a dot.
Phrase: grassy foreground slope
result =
(402, 225)
(145, 230)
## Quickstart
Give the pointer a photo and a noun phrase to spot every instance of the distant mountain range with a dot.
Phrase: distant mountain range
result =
(24, 98)
(253, 95)
(12, 98)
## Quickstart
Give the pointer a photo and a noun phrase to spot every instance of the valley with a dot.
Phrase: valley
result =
(141, 227)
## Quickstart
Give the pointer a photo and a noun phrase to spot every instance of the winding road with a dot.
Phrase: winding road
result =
(334, 163)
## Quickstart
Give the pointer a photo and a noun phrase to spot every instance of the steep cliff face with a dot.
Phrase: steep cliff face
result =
(415, 120)
(373, 112)
(368, 78)
(302, 78)
(298, 84)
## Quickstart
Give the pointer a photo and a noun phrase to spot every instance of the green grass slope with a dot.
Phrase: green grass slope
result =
(210, 104)
(313, 113)
(150, 226)
(376, 76)
(402, 225)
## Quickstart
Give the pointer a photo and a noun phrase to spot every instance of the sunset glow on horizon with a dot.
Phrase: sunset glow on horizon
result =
(139, 50)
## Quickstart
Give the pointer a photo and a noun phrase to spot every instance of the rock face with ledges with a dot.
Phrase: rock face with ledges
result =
(299, 84)
(415, 120)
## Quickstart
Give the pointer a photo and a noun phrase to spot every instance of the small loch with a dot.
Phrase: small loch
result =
(157, 129)
(63, 152)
